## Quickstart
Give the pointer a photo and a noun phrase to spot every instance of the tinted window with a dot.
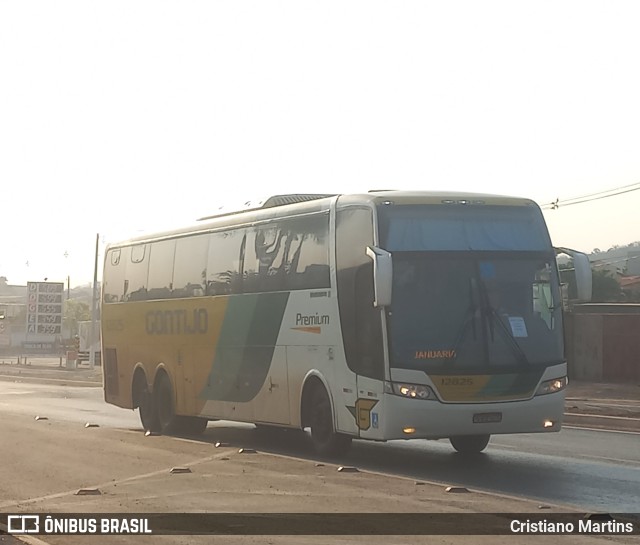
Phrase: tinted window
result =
(290, 254)
(223, 265)
(136, 274)
(491, 313)
(160, 269)
(360, 320)
(190, 269)
(114, 268)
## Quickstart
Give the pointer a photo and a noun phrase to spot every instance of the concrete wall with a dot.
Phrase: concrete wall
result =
(621, 348)
(603, 347)
(586, 362)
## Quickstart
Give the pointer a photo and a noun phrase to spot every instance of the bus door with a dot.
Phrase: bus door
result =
(369, 349)
(361, 322)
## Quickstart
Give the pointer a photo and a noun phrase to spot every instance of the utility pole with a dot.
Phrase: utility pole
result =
(94, 299)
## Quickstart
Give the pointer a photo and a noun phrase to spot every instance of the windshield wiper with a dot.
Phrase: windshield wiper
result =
(470, 316)
(490, 314)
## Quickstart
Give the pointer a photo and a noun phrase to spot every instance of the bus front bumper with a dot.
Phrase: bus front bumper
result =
(428, 419)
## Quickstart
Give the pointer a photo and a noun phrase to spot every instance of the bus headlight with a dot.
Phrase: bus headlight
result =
(552, 386)
(412, 391)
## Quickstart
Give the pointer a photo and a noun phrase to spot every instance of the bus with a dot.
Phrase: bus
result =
(381, 316)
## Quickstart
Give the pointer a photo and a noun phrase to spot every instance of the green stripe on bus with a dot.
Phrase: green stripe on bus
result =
(245, 348)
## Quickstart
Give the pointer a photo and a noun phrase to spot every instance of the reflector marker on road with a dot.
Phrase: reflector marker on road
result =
(456, 489)
(42, 418)
(348, 469)
(247, 451)
(88, 492)
(91, 425)
(180, 470)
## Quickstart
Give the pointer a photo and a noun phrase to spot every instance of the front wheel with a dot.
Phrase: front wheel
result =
(326, 441)
(469, 444)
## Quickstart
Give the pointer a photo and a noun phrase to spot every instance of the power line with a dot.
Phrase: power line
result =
(592, 196)
(601, 192)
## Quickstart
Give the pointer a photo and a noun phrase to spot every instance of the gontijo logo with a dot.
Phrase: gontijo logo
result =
(311, 323)
(177, 322)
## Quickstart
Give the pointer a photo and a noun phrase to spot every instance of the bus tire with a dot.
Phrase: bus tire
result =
(169, 422)
(325, 440)
(469, 444)
(145, 401)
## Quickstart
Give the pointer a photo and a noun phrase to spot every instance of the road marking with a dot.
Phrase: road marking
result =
(601, 400)
(604, 416)
(107, 484)
(45, 380)
(564, 426)
(29, 540)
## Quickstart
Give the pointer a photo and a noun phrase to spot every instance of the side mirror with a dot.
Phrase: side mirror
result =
(584, 280)
(382, 275)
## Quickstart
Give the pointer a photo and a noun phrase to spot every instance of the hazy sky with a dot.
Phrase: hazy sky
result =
(121, 116)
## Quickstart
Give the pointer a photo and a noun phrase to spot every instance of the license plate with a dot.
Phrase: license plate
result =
(487, 418)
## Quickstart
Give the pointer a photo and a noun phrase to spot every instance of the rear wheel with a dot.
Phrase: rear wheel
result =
(469, 444)
(324, 438)
(145, 402)
(169, 422)
(165, 405)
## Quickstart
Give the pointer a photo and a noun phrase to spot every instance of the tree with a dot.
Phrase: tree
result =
(568, 278)
(606, 288)
(75, 311)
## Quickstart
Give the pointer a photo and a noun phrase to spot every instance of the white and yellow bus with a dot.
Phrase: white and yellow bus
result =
(386, 315)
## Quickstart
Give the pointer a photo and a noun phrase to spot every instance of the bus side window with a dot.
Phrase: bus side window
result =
(309, 261)
(223, 264)
(288, 254)
(136, 273)
(271, 247)
(160, 269)
(114, 275)
(360, 320)
(190, 268)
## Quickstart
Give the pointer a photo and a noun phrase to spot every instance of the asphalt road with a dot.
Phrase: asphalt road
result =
(586, 469)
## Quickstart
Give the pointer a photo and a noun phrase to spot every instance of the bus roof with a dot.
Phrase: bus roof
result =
(296, 204)
(438, 197)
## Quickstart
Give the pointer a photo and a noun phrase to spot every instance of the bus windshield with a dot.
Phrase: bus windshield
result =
(475, 289)
(473, 313)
